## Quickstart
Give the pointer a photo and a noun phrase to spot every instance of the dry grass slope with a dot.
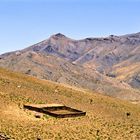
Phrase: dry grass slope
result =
(107, 118)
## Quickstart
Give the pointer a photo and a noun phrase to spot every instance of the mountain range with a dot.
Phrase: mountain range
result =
(109, 65)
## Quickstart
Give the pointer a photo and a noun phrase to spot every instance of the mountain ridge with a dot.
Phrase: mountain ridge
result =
(94, 63)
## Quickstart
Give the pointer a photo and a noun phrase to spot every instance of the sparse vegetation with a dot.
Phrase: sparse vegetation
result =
(106, 118)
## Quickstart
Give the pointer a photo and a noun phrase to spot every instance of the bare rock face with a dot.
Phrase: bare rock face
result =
(102, 64)
(138, 77)
(135, 81)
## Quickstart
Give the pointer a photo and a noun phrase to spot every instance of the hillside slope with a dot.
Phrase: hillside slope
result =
(106, 117)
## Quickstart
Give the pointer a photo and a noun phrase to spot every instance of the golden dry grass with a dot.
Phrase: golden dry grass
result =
(106, 117)
(126, 72)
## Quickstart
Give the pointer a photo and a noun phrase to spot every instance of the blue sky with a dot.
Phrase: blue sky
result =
(25, 22)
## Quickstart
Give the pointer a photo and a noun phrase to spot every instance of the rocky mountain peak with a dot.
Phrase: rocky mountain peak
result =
(58, 35)
(116, 57)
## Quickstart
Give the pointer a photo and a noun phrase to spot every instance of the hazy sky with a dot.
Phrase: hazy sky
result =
(25, 22)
